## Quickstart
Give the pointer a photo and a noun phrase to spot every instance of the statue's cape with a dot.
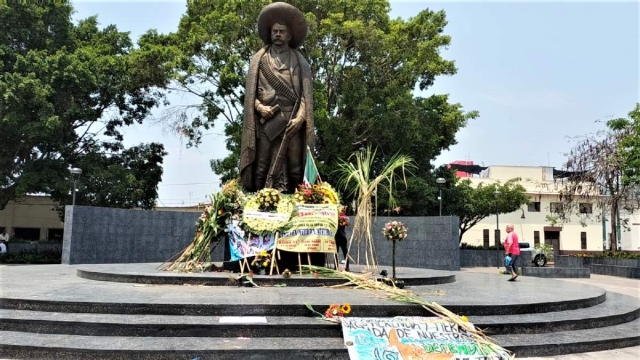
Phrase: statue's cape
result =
(250, 118)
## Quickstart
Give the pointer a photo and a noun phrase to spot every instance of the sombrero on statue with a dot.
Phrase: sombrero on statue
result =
(280, 12)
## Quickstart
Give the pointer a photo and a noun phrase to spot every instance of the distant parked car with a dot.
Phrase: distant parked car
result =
(538, 256)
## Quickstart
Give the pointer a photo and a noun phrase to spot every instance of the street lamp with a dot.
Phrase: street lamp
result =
(74, 172)
(497, 193)
(440, 181)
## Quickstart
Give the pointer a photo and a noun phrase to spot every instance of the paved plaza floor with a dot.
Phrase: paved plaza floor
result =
(59, 283)
(609, 283)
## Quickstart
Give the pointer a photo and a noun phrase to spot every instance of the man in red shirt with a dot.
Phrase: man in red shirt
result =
(512, 249)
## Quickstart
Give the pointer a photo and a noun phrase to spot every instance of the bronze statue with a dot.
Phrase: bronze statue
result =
(278, 105)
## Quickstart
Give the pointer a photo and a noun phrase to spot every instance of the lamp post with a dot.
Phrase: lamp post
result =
(497, 193)
(440, 181)
(75, 172)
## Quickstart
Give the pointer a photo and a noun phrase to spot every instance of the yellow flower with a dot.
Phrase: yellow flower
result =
(346, 308)
(464, 318)
(264, 264)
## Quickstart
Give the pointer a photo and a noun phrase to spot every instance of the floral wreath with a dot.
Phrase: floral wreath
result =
(321, 193)
(265, 223)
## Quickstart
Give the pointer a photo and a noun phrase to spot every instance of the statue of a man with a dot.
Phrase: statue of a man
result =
(278, 106)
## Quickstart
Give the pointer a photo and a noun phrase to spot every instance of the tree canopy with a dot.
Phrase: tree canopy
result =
(630, 145)
(65, 91)
(600, 170)
(472, 204)
(366, 69)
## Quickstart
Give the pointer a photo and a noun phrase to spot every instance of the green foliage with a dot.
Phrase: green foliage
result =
(630, 146)
(465, 246)
(33, 257)
(66, 90)
(609, 255)
(472, 204)
(365, 68)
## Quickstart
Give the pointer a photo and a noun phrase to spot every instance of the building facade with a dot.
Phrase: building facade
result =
(32, 218)
(538, 223)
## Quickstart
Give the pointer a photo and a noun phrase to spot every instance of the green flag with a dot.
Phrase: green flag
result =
(310, 170)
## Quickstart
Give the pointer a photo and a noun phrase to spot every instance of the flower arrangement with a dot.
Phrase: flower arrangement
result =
(321, 193)
(394, 231)
(235, 198)
(343, 219)
(268, 199)
(334, 313)
(262, 260)
(337, 311)
(255, 221)
(309, 194)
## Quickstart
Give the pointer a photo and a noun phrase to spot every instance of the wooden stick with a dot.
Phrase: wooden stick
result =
(299, 264)
(241, 267)
(273, 255)
(308, 259)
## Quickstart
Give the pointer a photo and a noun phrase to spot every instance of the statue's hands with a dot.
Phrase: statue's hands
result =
(266, 112)
(294, 126)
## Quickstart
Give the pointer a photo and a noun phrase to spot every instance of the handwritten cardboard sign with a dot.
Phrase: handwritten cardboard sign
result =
(411, 338)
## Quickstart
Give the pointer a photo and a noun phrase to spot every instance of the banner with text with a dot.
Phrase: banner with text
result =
(313, 229)
(405, 338)
(242, 246)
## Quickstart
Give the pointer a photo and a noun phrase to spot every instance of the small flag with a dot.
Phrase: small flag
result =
(310, 170)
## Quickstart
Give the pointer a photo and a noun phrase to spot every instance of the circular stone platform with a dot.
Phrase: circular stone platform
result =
(151, 274)
(48, 312)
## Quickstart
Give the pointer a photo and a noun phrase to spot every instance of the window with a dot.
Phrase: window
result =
(27, 233)
(485, 238)
(534, 206)
(55, 234)
(555, 207)
(586, 208)
(536, 238)
(583, 240)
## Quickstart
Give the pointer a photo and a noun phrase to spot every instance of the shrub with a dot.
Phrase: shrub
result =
(609, 255)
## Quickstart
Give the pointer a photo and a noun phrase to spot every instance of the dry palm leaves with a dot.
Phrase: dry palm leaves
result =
(368, 282)
(361, 181)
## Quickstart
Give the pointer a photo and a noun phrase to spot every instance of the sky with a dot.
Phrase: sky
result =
(538, 72)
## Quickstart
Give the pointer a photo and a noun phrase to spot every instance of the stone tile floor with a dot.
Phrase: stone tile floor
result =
(610, 283)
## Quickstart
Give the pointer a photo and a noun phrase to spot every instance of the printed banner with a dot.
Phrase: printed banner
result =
(241, 246)
(406, 338)
(313, 229)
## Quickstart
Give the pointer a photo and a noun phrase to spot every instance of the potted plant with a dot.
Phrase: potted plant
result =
(262, 261)
(394, 231)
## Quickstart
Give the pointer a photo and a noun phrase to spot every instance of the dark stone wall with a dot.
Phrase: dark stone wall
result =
(629, 268)
(432, 243)
(485, 258)
(96, 235)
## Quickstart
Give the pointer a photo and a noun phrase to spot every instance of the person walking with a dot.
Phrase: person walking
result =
(512, 249)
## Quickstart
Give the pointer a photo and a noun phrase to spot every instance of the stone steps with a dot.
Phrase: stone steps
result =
(55, 346)
(616, 310)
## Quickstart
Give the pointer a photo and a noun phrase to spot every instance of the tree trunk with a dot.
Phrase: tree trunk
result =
(614, 226)
(393, 260)
(462, 231)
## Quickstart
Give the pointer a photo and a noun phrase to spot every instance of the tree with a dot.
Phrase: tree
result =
(472, 204)
(595, 172)
(630, 146)
(65, 91)
(365, 65)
